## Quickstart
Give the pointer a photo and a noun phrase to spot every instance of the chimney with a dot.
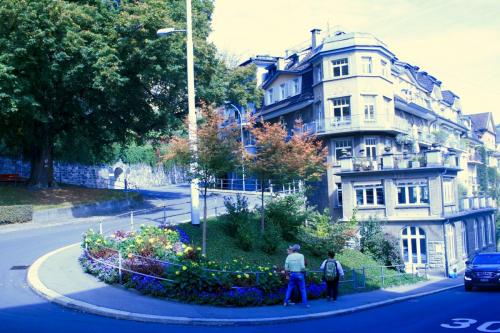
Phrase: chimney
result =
(314, 37)
(280, 65)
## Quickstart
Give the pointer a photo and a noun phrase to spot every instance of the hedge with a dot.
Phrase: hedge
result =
(16, 214)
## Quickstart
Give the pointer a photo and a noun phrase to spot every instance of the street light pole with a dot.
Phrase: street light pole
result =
(195, 195)
(242, 143)
(192, 136)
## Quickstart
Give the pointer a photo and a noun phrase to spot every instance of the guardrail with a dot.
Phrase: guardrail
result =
(253, 185)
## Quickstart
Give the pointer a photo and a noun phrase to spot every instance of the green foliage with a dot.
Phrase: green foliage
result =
(493, 183)
(441, 136)
(245, 235)
(237, 211)
(321, 235)
(16, 214)
(382, 247)
(462, 190)
(288, 213)
(134, 154)
(85, 75)
(271, 239)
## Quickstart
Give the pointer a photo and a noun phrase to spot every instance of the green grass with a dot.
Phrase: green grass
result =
(223, 247)
(64, 196)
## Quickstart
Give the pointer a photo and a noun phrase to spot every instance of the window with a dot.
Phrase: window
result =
(318, 73)
(464, 239)
(476, 236)
(483, 238)
(383, 68)
(366, 62)
(369, 195)
(295, 87)
(371, 148)
(449, 193)
(282, 91)
(341, 110)
(339, 194)
(450, 237)
(369, 108)
(413, 193)
(340, 67)
(342, 146)
(413, 245)
(270, 96)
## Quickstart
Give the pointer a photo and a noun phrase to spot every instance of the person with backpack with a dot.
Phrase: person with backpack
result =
(332, 272)
(295, 267)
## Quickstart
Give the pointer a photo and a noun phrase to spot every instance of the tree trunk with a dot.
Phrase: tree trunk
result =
(42, 163)
(204, 228)
(262, 225)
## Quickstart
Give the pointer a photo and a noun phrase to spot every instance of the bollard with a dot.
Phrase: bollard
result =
(100, 227)
(354, 278)
(382, 275)
(120, 266)
(364, 276)
(132, 221)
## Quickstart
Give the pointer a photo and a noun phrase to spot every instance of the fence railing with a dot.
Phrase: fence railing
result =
(253, 185)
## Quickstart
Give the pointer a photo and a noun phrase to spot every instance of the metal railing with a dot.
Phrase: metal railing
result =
(253, 185)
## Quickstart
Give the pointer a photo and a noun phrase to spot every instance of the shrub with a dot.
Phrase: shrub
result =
(288, 213)
(271, 239)
(16, 214)
(245, 235)
(320, 234)
(237, 212)
(382, 247)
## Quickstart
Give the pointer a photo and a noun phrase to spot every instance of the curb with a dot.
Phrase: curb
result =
(39, 288)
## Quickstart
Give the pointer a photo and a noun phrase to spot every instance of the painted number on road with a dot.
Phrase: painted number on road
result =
(459, 323)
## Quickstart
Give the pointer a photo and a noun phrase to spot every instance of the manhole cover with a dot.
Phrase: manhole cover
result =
(18, 268)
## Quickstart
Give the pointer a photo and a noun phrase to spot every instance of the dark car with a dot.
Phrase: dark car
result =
(483, 271)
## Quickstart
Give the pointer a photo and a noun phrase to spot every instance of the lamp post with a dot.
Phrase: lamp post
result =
(242, 142)
(195, 195)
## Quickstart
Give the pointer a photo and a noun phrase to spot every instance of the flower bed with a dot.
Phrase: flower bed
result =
(159, 261)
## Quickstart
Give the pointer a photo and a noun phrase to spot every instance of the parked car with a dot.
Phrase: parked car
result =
(483, 271)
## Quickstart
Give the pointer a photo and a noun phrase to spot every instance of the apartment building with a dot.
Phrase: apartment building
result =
(398, 144)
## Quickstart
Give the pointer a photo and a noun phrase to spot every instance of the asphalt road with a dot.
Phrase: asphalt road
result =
(21, 310)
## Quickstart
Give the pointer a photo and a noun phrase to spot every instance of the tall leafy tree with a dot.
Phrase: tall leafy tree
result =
(218, 153)
(281, 158)
(87, 74)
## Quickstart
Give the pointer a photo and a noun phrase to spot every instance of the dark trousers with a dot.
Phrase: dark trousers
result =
(332, 288)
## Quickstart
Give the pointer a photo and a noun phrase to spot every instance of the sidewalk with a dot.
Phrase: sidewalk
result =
(58, 277)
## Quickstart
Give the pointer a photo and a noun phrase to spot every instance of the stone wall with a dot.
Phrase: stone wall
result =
(102, 176)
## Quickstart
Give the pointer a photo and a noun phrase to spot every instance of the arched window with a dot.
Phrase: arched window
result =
(452, 245)
(476, 236)
(414, 246)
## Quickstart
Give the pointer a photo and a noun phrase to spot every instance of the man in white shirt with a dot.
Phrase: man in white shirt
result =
(295, 266)
(332, 272)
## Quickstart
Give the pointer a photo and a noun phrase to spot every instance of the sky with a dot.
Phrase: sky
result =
(456, 41)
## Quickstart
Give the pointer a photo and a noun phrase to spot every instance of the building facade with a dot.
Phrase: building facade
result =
(397, 140)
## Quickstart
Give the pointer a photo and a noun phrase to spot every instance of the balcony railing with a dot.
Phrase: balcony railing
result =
(476, 202)
(429, 158)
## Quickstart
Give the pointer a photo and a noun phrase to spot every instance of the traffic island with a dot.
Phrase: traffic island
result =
(58, 277)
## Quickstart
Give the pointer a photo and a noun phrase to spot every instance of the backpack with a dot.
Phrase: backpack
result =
(330, 271)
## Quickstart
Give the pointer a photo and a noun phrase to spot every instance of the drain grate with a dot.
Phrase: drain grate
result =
(19, 268)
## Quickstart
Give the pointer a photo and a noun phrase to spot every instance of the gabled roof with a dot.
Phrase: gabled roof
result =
(448, 97)
(427, 81)
(479, 121)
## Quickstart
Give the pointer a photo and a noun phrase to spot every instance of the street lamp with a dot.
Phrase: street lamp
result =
(242, 142)
(195, 195)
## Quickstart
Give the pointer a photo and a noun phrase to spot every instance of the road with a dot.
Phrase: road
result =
(21, 310)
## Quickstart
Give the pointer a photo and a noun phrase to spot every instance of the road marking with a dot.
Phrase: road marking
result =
(461, 323)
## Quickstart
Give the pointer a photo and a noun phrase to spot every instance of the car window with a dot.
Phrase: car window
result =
(487, 259)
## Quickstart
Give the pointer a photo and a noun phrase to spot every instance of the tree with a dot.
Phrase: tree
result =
(280, 158)
(218, 153)
(93, 73)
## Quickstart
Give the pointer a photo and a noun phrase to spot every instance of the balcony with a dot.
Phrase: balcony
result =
(476, 202)
(429, 159)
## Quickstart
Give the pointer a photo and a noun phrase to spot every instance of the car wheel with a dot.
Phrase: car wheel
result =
(468, 287)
